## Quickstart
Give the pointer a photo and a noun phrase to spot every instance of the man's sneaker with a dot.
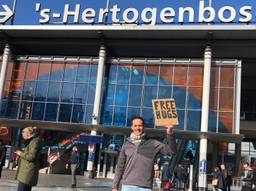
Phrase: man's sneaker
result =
(73, 186)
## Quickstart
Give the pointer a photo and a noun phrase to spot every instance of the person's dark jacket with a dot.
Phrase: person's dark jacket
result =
(166, 174)
(2, 154)
(218, 175)
(247, 181)
(28, 168)
(136, 163)
(74, 158)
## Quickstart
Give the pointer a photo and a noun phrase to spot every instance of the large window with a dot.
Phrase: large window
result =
(133, 84)
(50, 90)
(63, 89)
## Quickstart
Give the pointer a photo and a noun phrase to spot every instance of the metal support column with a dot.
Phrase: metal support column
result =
(6, 56)
(96, 108)
(202, 178)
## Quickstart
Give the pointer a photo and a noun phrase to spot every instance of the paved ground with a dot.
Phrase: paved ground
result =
(56, 183)
(53, 182)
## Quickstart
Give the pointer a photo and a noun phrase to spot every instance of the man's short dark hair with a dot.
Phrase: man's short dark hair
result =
(138, 117)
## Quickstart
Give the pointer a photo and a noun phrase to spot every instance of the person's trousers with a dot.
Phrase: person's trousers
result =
(23, 187)
(134, 188)
(73, 173)
(1, 168)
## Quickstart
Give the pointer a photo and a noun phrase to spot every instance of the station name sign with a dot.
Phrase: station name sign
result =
(118, 14)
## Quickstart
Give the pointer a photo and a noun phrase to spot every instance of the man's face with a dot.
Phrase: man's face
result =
(245, 166)
(137, 127)
(222, 167)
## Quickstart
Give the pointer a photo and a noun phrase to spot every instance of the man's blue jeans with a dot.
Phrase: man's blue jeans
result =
(134, 188)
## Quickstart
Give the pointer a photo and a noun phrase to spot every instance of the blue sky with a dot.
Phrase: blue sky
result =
(25, 13)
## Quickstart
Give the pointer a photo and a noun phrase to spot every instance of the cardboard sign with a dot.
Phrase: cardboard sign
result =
(165, 112)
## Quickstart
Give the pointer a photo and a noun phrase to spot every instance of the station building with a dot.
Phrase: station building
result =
(96, 67)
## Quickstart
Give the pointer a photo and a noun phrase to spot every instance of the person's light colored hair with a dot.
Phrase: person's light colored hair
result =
(31, 130)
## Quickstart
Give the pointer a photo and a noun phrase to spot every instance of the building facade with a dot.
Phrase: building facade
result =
(103, 64)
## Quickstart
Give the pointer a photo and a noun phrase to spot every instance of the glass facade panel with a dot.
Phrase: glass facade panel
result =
(107, 115)
(16, 90)
(195, 97)
(165, 92)
(135, 95)
(180, 77)
(215, 74)
(70, 72)
(137, 74)
(166, 74)
(196, 76)
(65, 112)
(12, 110)
(179, 94)
(25, 110)
(109, 95)
(57, 71)
(226, 122)
(112, 74)
(151, 75)
(28, 91)
(121, 95)
(81, 93)
(93, 72)
(120, 116)
(148, 116)
(88, 116)
(44, 71)
(91, 93)
(19, 70)
(194, 120)
(67, 92)
(31, 72)
(51, 112)
(53, 91)
(83, 72)
(41, 91)
(38, 111)
(226, 99)
(78, 114)
(227, 71)
(123, 75)
(150, 92)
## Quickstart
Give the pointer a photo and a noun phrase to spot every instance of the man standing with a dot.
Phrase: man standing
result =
(135, 165)
(74, 163)
(247, 177)
(2, 156)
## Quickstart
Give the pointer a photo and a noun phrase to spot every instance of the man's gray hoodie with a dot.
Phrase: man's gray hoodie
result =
(136, 161)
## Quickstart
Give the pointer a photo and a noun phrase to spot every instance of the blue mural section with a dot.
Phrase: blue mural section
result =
(124, 98)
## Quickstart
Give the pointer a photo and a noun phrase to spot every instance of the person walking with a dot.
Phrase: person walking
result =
(28, 167)
(74, 163)
(224, 175)
(166, 176)
(247, 177)
(136, 160)
(2, 156)
(218, 180)
(181, 175)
